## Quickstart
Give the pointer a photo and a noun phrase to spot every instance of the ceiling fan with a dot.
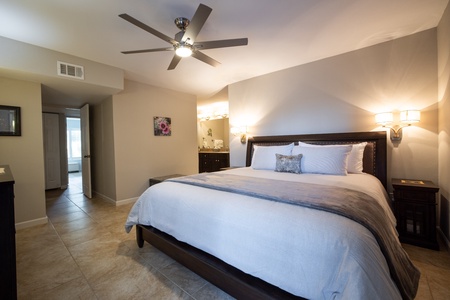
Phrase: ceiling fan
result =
(184, 42)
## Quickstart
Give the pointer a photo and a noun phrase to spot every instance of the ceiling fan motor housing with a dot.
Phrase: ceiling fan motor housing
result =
(182, 23)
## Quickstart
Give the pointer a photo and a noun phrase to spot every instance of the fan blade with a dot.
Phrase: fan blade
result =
(147, 50)
(175, 60)
(205, 58)
(196, 24)
(148, 29)
(221, 44)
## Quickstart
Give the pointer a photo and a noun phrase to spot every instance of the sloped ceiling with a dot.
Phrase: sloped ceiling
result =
(281, 34)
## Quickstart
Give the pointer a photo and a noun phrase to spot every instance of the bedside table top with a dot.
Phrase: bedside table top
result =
(418, 184)
(162, 178)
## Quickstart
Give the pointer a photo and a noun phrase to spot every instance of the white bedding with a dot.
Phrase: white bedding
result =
(307, 252)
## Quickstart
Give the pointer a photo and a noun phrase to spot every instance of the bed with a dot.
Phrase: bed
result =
(255, 245)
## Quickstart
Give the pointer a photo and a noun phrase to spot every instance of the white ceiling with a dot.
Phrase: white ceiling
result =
(282, 34)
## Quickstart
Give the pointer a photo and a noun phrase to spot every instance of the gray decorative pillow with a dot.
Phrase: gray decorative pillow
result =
(288, 163)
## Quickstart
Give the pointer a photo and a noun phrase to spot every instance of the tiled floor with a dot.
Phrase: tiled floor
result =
(84, 253)
(435, 272)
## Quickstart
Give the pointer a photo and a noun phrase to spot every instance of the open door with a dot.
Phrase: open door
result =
(85, 151)
(52, 157)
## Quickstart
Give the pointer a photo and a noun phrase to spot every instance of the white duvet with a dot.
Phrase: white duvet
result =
(307, 252)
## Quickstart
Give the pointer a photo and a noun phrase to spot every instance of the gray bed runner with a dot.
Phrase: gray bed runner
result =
(367, 212)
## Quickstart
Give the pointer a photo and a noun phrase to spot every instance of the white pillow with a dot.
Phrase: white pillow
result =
(264, 156)
(324, 160)
(355, 158)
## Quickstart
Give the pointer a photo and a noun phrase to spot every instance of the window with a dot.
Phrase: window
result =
(73, 138)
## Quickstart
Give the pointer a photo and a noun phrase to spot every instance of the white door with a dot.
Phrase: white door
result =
(51, 151)
(85, 151)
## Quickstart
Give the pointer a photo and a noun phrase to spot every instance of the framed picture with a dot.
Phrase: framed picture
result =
(162, 126)
(10, 120)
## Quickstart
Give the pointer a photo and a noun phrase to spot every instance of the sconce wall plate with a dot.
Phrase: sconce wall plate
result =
(396, 135)
(243, 138)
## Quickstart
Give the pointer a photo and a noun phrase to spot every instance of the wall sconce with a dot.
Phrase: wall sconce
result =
(407, 117)
(240, 131)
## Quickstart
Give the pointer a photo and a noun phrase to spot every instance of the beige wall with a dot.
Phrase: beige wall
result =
(342, 94)
(28, 60)
(443, 38)
(138, 154)
(25, 154)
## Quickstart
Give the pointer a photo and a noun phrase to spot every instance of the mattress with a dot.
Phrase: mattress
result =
(307, 252)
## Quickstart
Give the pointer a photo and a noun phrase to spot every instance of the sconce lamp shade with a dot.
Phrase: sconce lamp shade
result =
(384, 118)
(410, 116)
(406, 116)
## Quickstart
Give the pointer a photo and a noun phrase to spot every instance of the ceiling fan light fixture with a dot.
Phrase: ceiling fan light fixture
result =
(184, 50)
(184, 44)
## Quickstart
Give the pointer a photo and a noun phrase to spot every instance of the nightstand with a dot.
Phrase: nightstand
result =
(415, 210)
(155, 180)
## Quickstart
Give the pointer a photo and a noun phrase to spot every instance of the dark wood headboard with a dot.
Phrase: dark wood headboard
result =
(375, 153)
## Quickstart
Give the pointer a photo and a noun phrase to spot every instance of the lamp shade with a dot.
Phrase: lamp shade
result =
(410, 116)
(384, 118)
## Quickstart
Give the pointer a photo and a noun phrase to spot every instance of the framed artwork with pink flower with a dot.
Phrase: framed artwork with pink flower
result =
(162, 126)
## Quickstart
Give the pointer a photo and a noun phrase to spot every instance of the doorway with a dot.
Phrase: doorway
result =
(73, 141)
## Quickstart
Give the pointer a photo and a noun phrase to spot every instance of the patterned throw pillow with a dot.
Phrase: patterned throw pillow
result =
(288, 163)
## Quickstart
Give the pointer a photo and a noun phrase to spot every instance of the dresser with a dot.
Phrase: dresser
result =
(8, 285)
(415, 211)
(213, 161)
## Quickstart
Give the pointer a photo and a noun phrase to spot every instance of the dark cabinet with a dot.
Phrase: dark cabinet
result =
(8, 285)
(415, 211)
(211, 162)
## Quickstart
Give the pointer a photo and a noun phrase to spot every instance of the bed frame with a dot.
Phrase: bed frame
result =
(233, 281)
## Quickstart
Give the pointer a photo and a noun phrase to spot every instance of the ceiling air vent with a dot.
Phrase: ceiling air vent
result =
(70, 70)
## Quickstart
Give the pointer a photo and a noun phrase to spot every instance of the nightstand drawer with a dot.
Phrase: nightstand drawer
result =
(415, 196)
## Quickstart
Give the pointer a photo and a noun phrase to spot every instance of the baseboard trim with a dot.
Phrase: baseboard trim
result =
(31, 223)
(104, 197)
(126, 201)
(116, 203)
